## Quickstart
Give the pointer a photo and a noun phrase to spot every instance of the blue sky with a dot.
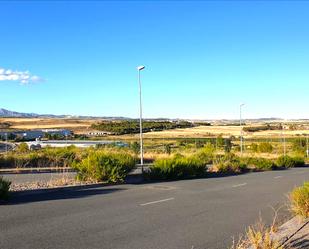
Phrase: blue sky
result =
(202, 58)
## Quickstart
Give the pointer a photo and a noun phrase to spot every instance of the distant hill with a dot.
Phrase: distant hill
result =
(12, 114)
(7, 113)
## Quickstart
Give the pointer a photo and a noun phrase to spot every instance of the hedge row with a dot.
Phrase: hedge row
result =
(180, 167)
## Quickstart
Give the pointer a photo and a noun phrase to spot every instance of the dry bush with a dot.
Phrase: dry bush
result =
(260, 236)
(299, 198)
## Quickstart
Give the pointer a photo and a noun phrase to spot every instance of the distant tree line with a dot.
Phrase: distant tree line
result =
(263, 128)
(131, 127)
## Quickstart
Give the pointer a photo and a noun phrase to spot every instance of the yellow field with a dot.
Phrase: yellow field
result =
(82, 126)
(206, 131)
(47, 123)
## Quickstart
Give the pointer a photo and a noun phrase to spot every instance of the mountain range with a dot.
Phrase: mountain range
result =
(11, 114)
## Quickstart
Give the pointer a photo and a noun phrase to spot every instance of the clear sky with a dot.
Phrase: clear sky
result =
(202, 58)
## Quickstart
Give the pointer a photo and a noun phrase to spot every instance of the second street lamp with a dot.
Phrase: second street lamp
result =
(139, 69)
(241, 129)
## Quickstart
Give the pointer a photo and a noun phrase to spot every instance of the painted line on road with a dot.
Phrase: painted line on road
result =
(297, 173)
(239, 185)
(154, 202)
(276, 177)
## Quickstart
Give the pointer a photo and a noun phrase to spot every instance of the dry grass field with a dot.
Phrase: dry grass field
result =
(47, 123)
(82, 126)
(225, 131)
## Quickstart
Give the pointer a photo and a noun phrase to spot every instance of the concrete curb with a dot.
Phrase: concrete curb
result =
(293, 233)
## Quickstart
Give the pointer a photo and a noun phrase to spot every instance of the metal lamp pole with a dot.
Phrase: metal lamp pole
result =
(241, 130)
(307, 146)
(139, 69)
(283, 138)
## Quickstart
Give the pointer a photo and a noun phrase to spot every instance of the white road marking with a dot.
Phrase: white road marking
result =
(154, 202)
(239, 185)
(297, 173)
(276, 177)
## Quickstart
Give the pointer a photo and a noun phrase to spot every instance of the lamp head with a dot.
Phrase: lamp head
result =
(139, 68)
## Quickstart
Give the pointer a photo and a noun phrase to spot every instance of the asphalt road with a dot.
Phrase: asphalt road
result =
(202, 213)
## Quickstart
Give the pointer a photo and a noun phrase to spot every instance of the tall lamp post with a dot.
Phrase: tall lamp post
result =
(241, 129)
(139, 69)
(307, 146)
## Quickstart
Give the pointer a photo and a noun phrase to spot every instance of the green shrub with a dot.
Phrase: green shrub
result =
(265, 147)
(4, 188)
(300, 200)
(105, 166)
(259, 163)
(48, 157)
(290, 162)
(177, 167)
(22, 147)
(205, 155)
(229, 163)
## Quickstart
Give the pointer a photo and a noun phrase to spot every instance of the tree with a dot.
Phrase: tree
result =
(228, 145)
(135, 147)
(167, 149)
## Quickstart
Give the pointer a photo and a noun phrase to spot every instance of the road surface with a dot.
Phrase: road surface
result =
(201, 213)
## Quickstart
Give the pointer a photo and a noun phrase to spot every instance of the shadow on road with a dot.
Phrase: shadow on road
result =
(299, 243)
(60, 194)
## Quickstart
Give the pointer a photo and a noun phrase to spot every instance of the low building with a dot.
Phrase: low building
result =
(77, 143)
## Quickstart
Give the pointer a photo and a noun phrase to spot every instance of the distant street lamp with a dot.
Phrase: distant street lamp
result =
(139, 69)
(283, 138)
(307, 146)
(241, 128)
(6, 143)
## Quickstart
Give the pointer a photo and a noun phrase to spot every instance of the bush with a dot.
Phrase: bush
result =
(205, 155)
(229, 163)
(265, 147)
(105, 166)
(300, 200)
(48, 157)
(177, 167)
(23, 147)
(259, 163)
(289, 162)
(4, 188)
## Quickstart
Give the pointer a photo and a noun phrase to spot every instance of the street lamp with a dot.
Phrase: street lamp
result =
(241, 129)
(283, 137)
(307, 146)
(139, 69)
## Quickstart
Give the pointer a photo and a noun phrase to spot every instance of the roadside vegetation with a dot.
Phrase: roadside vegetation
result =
(258, 237)
(262, 237)
(299, 199)
(22, 157)
(172, 160)
(4, 188)
(106, 166)
(206, 161)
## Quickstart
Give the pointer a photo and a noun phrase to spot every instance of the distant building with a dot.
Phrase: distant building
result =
(77, 143)
(34, 134)
(98, 133)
